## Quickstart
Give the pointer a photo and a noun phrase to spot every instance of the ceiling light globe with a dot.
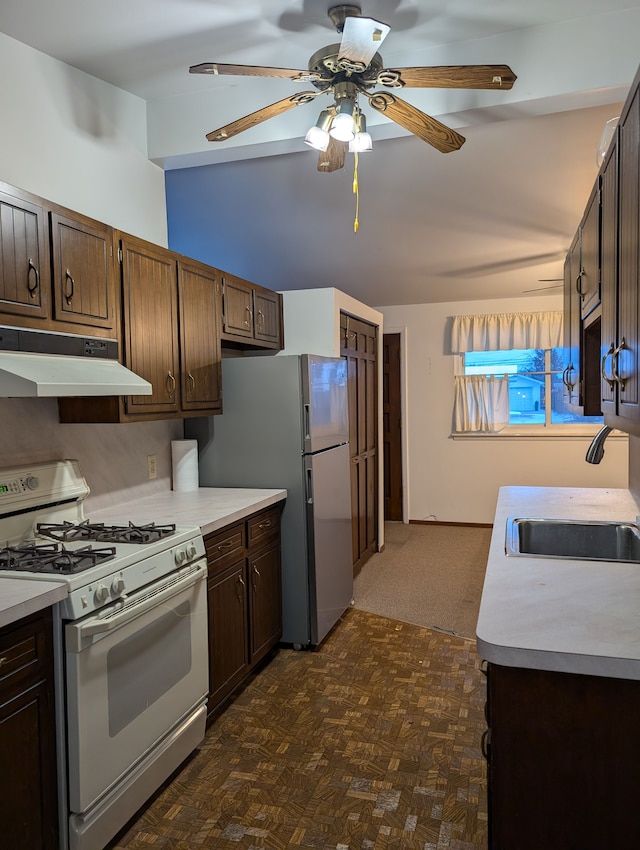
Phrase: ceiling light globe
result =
(361, 143)
(343, 128)
(317, 138)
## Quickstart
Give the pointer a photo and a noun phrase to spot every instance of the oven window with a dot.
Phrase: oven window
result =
(146, 665)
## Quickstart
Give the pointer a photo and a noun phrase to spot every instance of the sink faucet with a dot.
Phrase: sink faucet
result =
(596, 449)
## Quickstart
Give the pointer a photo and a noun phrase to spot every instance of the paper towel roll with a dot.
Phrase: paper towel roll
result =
(184, 462)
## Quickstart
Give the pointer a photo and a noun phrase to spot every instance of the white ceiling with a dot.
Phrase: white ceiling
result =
(490, 220)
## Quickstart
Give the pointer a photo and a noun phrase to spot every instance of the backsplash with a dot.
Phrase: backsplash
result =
(113, 458)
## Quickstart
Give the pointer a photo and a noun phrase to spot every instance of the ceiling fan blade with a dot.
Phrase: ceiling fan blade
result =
(426, 128)
(252, 71)
(450, 77)
(242, 124)
(333, 158)
(361, 40)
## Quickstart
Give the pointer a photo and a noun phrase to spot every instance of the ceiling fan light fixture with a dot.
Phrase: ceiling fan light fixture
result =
(318, 136)
(343, 129)
(362, 141)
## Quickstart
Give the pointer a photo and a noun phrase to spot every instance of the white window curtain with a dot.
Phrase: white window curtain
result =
(505, 331)
(481, 404)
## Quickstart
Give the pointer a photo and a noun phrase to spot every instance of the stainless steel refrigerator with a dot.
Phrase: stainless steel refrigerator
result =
(285, 424)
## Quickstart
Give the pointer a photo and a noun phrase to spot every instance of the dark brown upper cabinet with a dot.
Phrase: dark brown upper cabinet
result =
(200, 300)
(251, 315)
(83, 272)
(57, 268)
(25, 282)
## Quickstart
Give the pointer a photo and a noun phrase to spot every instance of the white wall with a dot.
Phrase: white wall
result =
(78, 142)
(458, 480)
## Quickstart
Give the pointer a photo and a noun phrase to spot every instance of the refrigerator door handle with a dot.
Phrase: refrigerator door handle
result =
(309, 487)
(307, 421)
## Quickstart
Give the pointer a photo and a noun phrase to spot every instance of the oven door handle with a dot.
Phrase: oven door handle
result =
(147, 599)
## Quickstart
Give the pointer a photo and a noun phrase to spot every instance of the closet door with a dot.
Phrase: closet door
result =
(359, 346)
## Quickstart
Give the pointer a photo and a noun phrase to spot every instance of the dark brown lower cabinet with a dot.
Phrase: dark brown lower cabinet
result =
(28, 783)
(244, 600)
(562, 752)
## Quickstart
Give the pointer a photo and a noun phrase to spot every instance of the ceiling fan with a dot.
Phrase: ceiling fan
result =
(351, 69)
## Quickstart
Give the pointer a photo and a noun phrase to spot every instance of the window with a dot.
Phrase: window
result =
(535, 384)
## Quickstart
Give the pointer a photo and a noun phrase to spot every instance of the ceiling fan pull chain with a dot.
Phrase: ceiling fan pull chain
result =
(356, 191)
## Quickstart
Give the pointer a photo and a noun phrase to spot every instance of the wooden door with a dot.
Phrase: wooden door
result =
(392, 428)
(609, 279)
(24, 259)
(237, 298)
(28, 784)
(199, 295)
(150, 295)
(572, 326)
(589, 274)
(83, 272)
(628, 261)
(266, 316)
(228, 630)
(265, 601)
(359, 346)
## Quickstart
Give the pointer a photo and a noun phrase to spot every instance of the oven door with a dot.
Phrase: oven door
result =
(134, 671)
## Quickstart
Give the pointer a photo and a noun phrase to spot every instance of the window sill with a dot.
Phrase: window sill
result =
(540, 432)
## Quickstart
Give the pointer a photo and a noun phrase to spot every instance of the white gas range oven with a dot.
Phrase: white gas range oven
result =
(130, 644)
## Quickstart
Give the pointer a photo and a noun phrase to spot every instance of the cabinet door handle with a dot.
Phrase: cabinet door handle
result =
(3, 660)
(265, 524)
(485, 743)
(240, 588)
(192, 382)
(565, 378)
(603, 372)
(614, 365)
(224, 547)
(36, 278)
(579, 283)
(256, 577)
(249, 318)
(71, 291)
(260, 319)
(171, 384)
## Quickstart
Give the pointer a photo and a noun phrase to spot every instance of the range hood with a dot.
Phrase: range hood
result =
(48, 364)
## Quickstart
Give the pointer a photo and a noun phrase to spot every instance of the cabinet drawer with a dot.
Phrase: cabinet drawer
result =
(262, 527)
(223, 547)
(24, 653)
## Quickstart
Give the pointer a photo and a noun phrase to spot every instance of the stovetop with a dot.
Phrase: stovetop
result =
(44, 535)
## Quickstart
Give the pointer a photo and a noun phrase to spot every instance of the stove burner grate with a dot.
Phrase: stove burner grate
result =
(130, 533)
(53, 558)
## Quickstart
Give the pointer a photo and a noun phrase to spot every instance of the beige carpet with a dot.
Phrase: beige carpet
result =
(429, 575)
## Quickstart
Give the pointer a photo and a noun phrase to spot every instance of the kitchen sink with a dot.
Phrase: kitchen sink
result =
(588, 540)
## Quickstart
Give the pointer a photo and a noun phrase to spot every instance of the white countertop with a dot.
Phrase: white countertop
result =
(20, 598)
(563, 615)
(210, 508)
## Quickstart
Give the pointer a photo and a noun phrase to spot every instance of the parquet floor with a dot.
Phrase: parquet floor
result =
(370, 743)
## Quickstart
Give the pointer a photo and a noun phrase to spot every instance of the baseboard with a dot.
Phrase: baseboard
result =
(463, 524)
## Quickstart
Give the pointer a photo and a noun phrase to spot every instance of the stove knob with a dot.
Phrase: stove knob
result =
(102, 593)
(180, 556)
(117, 586)
(32, 482)
(191, 550)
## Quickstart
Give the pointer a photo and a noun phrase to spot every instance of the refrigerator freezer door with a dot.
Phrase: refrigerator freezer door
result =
(325, 403)
(328, 501)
